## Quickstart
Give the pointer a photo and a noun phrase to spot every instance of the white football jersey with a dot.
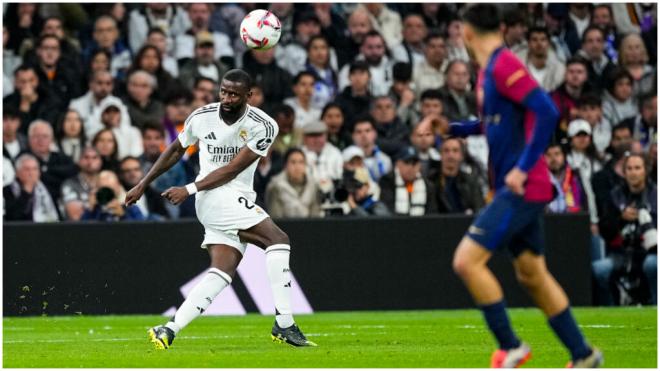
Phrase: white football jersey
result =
(219, 143)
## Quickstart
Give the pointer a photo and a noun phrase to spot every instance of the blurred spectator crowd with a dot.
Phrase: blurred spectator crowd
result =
(93, 93)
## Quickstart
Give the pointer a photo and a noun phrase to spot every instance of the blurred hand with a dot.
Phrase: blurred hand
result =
(115, 208)
(594, 230)
(407, 97)
(629, 214)
(515, 181)
(176, 195)
(134, 194)
(323, 14)
(351, 201)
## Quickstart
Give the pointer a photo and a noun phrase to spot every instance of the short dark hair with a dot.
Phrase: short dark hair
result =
(24, 67)
(592, 27)
(284, 109)
(455, 62)
(314, 38)
(538, 29)
(238, 75)
(358, 66)
(645, 98)
(364, 119)
(402, 71)
(616, 75)
(293, 150)
(374, 33)
(431, 94)
(129, 158)
(433, 35)
(203, 78)
(156, 30)
(621, 126)
(513, 17)
(576, 59)
(484, 17)
(554, 144)
(153, 125)
(9, 112)
(300, 75)
(589, 100)
(42, 38)
(178, 95)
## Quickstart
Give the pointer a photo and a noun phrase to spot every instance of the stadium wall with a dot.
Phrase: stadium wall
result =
(339, 264)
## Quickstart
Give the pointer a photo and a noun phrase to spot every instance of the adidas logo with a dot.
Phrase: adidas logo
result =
(210, 136)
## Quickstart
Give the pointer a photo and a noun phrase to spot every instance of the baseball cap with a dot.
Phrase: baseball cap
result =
(407, 153)
(315, 127)
(204, 38)
(352, 151)
(578, 126)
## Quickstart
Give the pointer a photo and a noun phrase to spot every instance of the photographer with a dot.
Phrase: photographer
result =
(629, 225)
(360, 199)
(106, 202)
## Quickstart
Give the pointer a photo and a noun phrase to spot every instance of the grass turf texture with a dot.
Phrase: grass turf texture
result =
(442, 338)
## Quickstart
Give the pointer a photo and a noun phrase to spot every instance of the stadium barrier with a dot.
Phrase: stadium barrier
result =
(338, 264)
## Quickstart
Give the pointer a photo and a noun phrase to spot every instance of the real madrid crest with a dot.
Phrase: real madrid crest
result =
(243, 135)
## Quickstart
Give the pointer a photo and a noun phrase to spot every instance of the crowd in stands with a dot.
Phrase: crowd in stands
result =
(93, 93)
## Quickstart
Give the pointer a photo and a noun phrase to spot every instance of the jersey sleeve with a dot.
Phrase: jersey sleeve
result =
(187, 136)
(512, 78)
(262, 135)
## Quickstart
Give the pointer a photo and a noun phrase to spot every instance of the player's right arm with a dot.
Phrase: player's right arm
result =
(167, 159)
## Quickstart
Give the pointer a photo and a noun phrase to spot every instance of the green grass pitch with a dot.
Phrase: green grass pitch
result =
(442, 338)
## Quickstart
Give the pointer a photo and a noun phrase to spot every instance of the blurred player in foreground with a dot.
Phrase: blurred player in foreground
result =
(518, 119)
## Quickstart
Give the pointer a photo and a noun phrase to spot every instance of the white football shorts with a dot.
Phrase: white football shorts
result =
(223, 212)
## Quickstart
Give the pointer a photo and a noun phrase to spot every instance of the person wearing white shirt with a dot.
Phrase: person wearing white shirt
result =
(200, 15)
(324, 160)
(373, 52)
(100, 88)
(430, 73)
(303, 88)
(411, 49)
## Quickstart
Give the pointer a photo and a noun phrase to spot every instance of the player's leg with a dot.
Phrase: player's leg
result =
(491, 230)
(532, 273)
(470, 263)
(275, 242)
(224, 261)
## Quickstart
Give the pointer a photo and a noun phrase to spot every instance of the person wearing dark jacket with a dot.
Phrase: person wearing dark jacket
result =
(392, 133)
(54, 73)
(457, 191)
(458, 102)
(55, 166)
(31, 99)
(629, 225)
(356, 98)
(404, 191)
(276, 82)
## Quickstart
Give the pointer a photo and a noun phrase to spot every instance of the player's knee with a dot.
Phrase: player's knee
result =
(461, 266)
(530, 279)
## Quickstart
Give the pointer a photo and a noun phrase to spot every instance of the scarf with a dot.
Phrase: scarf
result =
(414, 203)
(43, 207)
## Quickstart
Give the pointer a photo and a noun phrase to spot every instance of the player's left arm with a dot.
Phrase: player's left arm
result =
(514, 81)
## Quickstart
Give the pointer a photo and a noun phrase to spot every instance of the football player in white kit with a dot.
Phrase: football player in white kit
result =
(231, 136)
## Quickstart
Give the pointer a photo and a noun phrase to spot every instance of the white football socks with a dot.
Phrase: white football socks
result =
(277, 265)
(200, 298)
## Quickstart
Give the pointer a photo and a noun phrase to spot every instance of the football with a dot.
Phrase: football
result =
(260, 29)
